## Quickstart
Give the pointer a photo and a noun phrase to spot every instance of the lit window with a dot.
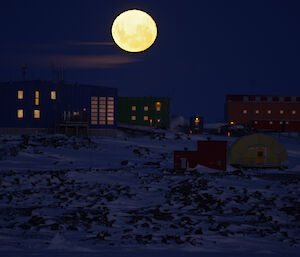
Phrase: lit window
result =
(281, 111)
(146, 108)
(158, 106)
(133, 108)
(53, 95)
(255, 122)
(245, 111)
(145, 117)
(257, 111)
(293, 112)
(20, 114)
(269, 112)
(133, 117)
(280, 122)
(286, 122)
(94, 110)
(102, 110)
(20, 94)
(37, 98)
(271, 122)
(37, 114)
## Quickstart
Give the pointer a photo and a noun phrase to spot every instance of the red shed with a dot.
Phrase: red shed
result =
(211, 154)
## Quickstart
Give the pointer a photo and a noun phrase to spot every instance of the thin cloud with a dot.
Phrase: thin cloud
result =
(90, 62)
(59, 45)
(91, 43)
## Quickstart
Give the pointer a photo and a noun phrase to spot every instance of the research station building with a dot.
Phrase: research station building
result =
(264, 112)
(144, 111)
(44, 104)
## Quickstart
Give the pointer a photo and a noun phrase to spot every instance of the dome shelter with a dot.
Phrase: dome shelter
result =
(257, 151)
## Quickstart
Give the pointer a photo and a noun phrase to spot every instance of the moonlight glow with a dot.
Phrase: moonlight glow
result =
(134, 31)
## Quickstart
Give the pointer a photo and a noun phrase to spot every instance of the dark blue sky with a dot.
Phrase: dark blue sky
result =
(204, 49)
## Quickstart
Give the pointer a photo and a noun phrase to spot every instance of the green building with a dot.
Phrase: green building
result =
(144, 111)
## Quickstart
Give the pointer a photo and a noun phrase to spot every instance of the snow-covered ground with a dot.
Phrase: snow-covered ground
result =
(119, 196)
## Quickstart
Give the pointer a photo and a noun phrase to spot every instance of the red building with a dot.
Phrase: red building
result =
(261, 112)
(211, 154)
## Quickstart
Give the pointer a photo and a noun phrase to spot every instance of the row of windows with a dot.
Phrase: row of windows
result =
(252, 98)
(36, 96)
(102, 110)
(273, 98)
(269, 111)
(271, 122)
(146, 108)
(146, 118)
(36, 114)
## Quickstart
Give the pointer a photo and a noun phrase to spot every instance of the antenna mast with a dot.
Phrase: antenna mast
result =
(24, 71)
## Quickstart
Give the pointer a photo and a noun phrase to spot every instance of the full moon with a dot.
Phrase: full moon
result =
(134, 31)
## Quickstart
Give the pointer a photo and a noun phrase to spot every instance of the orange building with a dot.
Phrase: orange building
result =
(261, 112)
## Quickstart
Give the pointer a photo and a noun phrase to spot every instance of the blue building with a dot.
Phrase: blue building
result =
(42, 104)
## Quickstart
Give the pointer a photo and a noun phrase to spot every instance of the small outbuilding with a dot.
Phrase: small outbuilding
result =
(211, 154)
(257, 150)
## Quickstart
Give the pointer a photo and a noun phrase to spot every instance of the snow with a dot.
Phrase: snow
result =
(119, 196)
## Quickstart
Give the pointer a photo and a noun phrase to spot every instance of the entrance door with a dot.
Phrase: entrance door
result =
(184, 164)
(260, 156)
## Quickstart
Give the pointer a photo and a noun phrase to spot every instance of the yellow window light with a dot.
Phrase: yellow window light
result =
(37, 98)
(53, 95)
(20, 113)
(37, 114)
(20, 94)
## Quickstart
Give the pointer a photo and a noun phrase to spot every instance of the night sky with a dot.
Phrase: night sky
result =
(204, 49)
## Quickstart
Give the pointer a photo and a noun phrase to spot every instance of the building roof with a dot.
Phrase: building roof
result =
(275, 98)
(48, 82)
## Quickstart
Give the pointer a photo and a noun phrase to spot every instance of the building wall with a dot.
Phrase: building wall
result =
(211, 154)
(131, 111)
(69, 98)
(279, 113)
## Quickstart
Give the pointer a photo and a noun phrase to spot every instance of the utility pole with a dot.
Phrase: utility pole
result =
(24, 71)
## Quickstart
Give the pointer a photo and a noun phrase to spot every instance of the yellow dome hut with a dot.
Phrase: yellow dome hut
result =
(257, 150)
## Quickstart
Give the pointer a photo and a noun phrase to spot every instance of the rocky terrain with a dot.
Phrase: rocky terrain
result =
(136, 199)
